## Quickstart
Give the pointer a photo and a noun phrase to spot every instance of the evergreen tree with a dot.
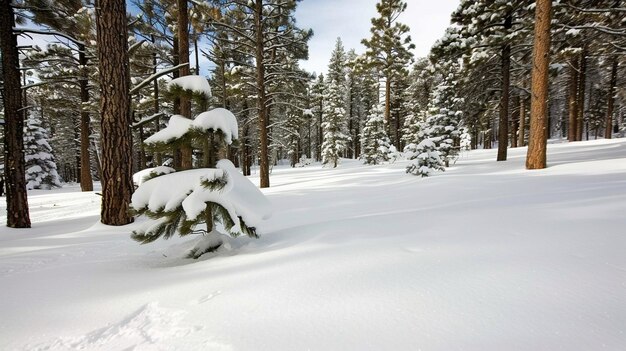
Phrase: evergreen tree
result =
(376, 144)
(335, 140)
(424, 158)
(388, 50)
(210, 200)
(41, 168)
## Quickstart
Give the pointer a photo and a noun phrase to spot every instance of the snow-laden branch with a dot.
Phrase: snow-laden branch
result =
(155, 76)
(47, 32)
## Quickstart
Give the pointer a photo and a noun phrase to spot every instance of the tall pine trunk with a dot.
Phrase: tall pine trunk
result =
(183, 57)
(117, 185)
(503, 127)
(580, 103)
(522, 121)
(86, 181)
(14, 167)
(608, 130)
(537, 143)
(572, 101)
(264, 167)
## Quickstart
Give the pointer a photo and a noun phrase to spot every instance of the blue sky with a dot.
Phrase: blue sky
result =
(350, 20)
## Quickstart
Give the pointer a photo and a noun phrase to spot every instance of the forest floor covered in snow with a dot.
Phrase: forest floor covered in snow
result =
(486, 256)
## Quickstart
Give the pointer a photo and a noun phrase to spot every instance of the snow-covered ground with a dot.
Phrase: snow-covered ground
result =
(486, 256)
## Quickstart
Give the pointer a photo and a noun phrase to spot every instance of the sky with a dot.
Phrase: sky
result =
(350, 20)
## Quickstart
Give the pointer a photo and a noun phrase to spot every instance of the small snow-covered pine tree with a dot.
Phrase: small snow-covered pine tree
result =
(335, 140)
(424, 157)
(41, 169)
(376, 145)
(215, 201)
(443, 126)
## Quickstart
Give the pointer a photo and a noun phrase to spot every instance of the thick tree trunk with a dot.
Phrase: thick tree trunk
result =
(580, 113)
(86, 181)
(536, 156)
(608, 128)
(503, 125)
(117, 184)
(264, 169)
(572, 101)
(14, 167)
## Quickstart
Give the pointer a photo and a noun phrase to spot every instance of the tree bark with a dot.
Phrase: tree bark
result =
(117, 185)
(522, 121)
(14, 168)
(86, 181)
(572, 97)
(537, 144)
(608, 130)
(183, 57)
(264, 169)
(503, 125)
(580, 113)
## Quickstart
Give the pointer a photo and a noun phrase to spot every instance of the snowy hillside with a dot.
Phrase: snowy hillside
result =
(486, 256)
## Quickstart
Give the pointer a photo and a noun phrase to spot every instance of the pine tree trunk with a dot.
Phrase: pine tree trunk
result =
(572, 101)
(264, 169)
(117, 185)
(580, 113)
(14, 167)
(503, 132)
(522, 121)
(388, 103)
(86, 181)
(183, 57)
(537, 144)
(515, 123)
(608, 130)
(155, 105)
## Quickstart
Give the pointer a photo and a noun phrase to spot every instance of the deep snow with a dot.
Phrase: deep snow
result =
(486, 256)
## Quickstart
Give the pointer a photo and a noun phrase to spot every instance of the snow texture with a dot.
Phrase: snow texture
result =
(218, 119)
(176, 128)
(143, 175)
(486, 256)
(239, 197)
(197, 84)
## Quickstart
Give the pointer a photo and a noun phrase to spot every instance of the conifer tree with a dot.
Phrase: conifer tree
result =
(41, 168)
(424, 158)
(376, 145)
(388, 49)
(335, 140)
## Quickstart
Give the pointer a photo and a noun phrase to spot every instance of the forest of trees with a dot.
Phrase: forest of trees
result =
(505, 74)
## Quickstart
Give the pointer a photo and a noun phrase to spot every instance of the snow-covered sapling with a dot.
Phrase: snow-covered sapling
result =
(211, 201)
(41, 169)
(424, 158)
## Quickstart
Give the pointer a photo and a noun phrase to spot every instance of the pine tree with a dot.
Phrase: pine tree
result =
(388, 50)
(335, 140)
(41, 168)
(202, 200)
(376, 145)
(424, 158)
